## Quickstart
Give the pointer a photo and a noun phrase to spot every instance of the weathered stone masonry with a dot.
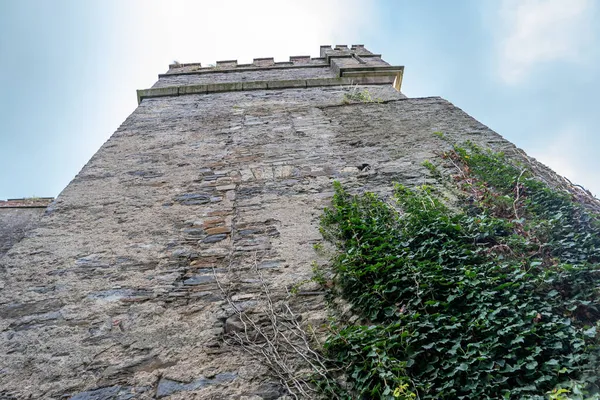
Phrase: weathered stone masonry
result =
(218, 171)
(17, 217)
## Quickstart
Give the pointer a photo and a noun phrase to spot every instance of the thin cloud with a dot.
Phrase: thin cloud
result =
(563, 153)
(538, 31)
(195, 31)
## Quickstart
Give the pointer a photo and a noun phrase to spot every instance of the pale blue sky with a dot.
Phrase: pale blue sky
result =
(69, 69)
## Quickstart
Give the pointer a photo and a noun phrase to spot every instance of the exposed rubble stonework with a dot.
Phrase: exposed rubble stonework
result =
(17, 217)
(217, 179)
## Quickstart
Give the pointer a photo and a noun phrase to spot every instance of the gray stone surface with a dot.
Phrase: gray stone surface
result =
(299, 61)
(15, 223)
(118, 290)
(167, 387)
(246, 76)
(116, 392)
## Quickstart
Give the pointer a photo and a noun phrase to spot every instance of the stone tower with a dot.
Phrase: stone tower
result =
(212, 188)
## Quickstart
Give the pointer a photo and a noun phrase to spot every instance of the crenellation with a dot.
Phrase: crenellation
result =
(186, 65)
(323, 49)
(361, 50)
(196, 68)
(300, 59)
(261, 63)
(226, 64)
(341, 61)
(264, 62)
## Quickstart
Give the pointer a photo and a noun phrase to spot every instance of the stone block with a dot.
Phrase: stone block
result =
(214, 238)
(294, 83)
(218, 230)
(224, 87)
(157, 92)
(193, 89)
(234, 324)
(300, 59)
(329, 82)
(375, 80)
(256, 85)
(227, 64)
(264, 62)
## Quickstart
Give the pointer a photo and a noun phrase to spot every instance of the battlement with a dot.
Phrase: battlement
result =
(326, 52)
(343, 49)
(233, 65)
(339, 65)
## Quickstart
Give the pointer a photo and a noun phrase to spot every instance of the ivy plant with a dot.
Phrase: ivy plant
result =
(496, 297)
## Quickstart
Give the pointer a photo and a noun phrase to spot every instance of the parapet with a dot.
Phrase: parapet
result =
(343, 49)
(233, 65)
(338, 65)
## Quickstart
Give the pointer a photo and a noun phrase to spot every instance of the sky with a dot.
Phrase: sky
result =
(69, 69)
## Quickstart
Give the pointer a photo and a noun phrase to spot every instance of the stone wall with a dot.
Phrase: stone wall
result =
(17, 217)
(258, 63)
(116, 294)
(274, 74)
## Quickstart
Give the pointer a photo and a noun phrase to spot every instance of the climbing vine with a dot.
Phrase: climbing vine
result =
(493, 297)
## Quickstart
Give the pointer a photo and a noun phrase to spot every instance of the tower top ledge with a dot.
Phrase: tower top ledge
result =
(302, 61)
(347, 65)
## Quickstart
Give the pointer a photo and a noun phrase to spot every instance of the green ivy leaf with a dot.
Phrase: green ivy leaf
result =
(590, 332)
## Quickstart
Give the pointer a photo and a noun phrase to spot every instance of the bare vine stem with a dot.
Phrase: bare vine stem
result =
(280, 343)
(518, 194)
